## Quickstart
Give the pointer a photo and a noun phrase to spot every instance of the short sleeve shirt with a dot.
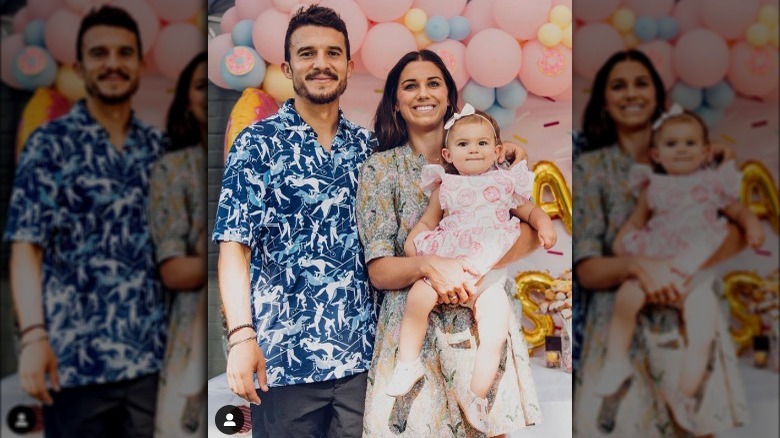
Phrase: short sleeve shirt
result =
(85, 203)
(293, 203)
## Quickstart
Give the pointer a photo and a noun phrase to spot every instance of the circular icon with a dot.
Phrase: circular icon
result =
(21, 419)
(229, 419)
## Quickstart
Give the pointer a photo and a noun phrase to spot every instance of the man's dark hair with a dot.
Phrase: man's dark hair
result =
(315, 16)
(107, 16)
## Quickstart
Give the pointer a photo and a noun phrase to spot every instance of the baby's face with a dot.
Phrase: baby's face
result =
(471, 147)
(680, 148)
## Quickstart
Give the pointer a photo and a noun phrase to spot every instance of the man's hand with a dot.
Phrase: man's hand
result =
(244, 360)
(36, 360)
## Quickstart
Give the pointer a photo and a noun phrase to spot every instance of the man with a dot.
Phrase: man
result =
(289, 246)
(83, 276)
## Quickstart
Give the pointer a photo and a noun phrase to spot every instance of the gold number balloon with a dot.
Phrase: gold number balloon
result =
(739, 289)
(548, 175)
(528, 284)
(756, 180)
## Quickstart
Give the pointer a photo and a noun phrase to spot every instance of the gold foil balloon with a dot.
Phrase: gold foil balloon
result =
(528, 284)
(759, 193)
(740, 288)
(548, 175)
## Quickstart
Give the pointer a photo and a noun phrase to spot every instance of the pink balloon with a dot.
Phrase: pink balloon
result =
(81, 7)
(447, 9)
(384, 45)
(594, 10)
(251, 9)
(480, 16)
(217, 48)
(229, 19)
(686, 13)
(20, 20)
(655, 8)
(268, 35)
(546, 71)
(383, 10)
(493, 57)
(144, 15)
(10, 47)
(359, 68)
(178, 10)
(60, 35)
(177, 44)
(564, 96)
(566, 3)
(660, 52)
(701, 58)
(453, 53)
(753, 71)
(521, 18)
(43, 9)
(726, 18)
(286, 5)
(594, 43)
(354, 18)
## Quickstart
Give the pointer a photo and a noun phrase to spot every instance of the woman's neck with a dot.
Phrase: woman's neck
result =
(427, 142)
(636, 142)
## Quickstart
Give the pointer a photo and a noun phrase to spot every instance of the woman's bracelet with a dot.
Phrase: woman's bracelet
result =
(237, 328)
(233, 344)
(30, 328)
(32, 341)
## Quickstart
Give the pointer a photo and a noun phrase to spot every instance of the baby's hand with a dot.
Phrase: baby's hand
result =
(547, 237)
(755, 236)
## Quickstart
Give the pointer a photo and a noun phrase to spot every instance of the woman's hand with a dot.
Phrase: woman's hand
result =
(658, 279)
(452, 279)
(720, 152)
(244, 360)
(512, 153)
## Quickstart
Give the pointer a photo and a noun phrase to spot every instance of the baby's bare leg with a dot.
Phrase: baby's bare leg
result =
(700, 310)
(491, 311)
(629, 299)
(419, 303)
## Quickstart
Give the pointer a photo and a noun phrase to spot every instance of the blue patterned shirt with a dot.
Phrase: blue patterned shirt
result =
(293, 203)
(85, 203)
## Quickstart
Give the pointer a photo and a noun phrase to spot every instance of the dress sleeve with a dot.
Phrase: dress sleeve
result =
(523, 182)
(588, 209)
(639, 177)
(376, 212)
(32, 209)
(432, 175)
(168, 219)
(726, 180)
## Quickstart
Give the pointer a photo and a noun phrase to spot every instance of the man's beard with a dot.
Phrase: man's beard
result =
(93, 90)
(301, 90)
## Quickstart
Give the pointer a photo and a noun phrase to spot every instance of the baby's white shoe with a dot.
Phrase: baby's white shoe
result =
(474, 408)
(612, 375)
(683, 408)
(405, 375)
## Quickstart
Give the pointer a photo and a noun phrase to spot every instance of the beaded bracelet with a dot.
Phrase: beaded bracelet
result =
(237, 328)
(32, 341)
(233, 344)
(30, 328)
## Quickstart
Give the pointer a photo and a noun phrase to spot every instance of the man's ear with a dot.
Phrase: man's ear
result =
(350, 67)
(287, 70)
(445, 153)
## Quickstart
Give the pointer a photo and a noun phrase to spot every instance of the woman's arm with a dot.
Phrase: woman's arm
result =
(636, 221)
(429, 220)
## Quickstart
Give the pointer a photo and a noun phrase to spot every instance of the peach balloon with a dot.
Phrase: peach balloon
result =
(701, 58)
(546, 71)
(251, 9)
(268, 34)
(660, 52)
(276, 84)
(69, 84)
(384, 45)
(177, 44)
(593, 44)
(229, 19)
(354, 18)
(493, 57)
(480, 15)
(521, 18)
(60, 35)
(383, 10)
(173, 11)
(447, 9)
(144, 15)
(686, 13)
(753, 71)
(453, 54)
(565, 96)
(217, 48)
(725, 19)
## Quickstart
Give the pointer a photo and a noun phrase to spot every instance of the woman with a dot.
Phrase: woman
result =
(627, 96)
(419, 96)
(177, 217)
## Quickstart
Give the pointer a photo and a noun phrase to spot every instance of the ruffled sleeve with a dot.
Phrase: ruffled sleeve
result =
(726, 180)
(639, 177)
(523, 181)
(431, 176)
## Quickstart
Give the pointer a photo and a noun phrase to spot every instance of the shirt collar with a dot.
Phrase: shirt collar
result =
(83, 117)
(294, 122)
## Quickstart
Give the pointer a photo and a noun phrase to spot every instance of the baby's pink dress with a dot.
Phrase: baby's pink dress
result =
(684, 223)
(477, 224)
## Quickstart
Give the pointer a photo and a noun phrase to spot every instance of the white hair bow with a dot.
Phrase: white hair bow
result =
(467, 110)
(675, 110)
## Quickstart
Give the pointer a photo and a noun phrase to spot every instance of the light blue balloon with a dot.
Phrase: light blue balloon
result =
(479, 96)
(719, 96)
(667, 28)
(242, 33)
(253, 78)
(504, 116)
(43, 77)
(511, 95)
(460, 27)
(33, 33)
(687, 96)
(711, 116)
(645, 28)
(437, 28)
